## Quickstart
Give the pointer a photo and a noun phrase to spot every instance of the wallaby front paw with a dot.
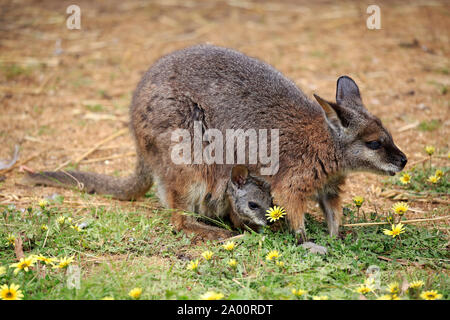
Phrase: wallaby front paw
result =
(314, 248)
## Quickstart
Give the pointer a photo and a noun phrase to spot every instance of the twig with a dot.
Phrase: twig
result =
(18, 248)
(62, 165)
(45, 240)
(417, 162)
(94, 148)
(20, 163)
(409, 126)
(116, 156)
(115, 135)
(404, 222)
(401, 261)
(242, 286)
(232, 238)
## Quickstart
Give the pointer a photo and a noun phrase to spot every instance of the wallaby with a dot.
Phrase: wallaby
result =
(319, 143)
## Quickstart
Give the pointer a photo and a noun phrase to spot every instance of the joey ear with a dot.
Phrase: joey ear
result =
(239, 175)
(347, 90)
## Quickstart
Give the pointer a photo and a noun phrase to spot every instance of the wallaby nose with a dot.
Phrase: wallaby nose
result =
(403, 161)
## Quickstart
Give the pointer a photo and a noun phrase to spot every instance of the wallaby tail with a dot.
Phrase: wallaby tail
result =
(127, 188)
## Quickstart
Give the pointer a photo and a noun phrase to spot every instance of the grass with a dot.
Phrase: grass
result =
(419, 180)
(429, 125)
(13, 71)
(118, 250)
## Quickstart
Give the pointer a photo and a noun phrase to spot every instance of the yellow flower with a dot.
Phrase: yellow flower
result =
(430, 295)
(61, 220)
(76, 228)
(393, 288)
(11, 239)
(207, 254)
(211, 295)
(23, 264)
(416, 284)
(64, 262)
(232, 263)
(33, 258)
(43, 203)
(2, 271)
(388, 297)
(274, 254)
(400, 208)
(320, 297)
(279, 263)
(405, 178)
(358, 201)
(275, 213)
(439, 173)
(193, 265)
(229, 245)
(389, 218)
(135, 293)
(45, 259)
(298, 292)
(108, 298)
(430, 150)
(11, 293)
(433, 179)
(44, 227)
(364, 289)
(69, 220)
(396, 230)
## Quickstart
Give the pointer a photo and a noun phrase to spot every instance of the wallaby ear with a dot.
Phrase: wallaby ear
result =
(347, 90)
(239, 175)
(326, 106)
(335, 113)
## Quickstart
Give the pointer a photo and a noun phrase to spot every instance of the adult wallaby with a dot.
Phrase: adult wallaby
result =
(224, 89)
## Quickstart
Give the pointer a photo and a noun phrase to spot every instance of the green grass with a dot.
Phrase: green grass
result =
(122, 249)
(13, 71)
(429, 125)
(95, 107)
(419, 180)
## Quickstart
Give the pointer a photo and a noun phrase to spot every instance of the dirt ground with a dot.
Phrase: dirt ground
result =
(64, 91)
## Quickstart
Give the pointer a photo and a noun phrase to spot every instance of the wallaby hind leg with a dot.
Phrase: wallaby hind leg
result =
(202, 231)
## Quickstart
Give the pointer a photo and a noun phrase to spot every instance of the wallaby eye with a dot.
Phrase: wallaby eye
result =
(374, 145)
(253, 205)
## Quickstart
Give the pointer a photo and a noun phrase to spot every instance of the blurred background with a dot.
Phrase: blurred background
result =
(63, 90)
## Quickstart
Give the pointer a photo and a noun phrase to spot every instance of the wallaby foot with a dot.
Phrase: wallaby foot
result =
(300, 235)
(202, 231)
(314, 248)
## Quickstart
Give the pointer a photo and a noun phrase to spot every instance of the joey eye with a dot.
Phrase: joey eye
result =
(374, 145)
(253, 205)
